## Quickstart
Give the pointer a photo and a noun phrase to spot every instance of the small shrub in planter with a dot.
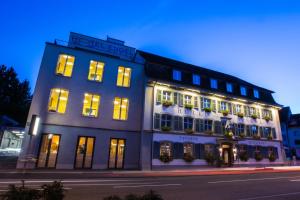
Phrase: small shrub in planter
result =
(208, 110)
(166, 128)
(208, 132)
(165, 158)
(258, 157)
(254, 116)
(188, 131)
(243, 156)
(167, 103)
(188, 157)
(225, 112)
(228, 134)
(21, 193)
(114, 197)
(272, 157)
(151, 195)
(270, 137)
(240, 115)
(267, 118)
(242, 135)
(209, 158)
(219, 161)
(188, 106)
(256, 136)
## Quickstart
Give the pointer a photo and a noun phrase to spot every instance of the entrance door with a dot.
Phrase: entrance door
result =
(48, 151)
(226, 155)
(84, 152)
(116, 154)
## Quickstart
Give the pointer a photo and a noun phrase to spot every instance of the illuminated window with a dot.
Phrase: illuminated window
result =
(165, 149)
(124, 75)
(65, 65)
(120, 108)
(58, 100)
(96, 71)
(90, 105)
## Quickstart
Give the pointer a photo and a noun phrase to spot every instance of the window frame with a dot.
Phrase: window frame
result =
(123, 76)
(243, 90)
(91, 104)
(64, 68)
(58, 101)
(213, 83)
(96, 70)
(256, 93)
(196, 79)
(176, 75)
(120, 109)
(229, 85)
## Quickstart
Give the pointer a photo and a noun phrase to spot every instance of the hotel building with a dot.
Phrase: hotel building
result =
(103, 105)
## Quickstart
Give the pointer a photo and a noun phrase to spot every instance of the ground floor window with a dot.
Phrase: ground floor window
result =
(188, 149)
(240, 129)
(116, 153)
(165, 149)
(48, 151)
(84, 152)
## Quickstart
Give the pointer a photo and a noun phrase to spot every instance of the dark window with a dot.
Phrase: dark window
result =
(166, 120)
(178, 123)
(188, 123)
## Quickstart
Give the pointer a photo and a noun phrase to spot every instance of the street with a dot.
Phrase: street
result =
(265, 186)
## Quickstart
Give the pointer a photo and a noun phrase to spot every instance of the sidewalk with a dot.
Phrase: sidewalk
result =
(74, 174)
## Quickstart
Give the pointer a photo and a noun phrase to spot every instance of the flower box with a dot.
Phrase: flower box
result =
(257, 137)
(254, 116)
(228, 134)
(267, 118)
(166, 128)
(188, 157)
(225, 112)
(188, 106)
(272, 157)
(258, 156)
(242, 135)
(165, 158)
(240, 115)
(167, 103)
(270, 137)
(208, 110)
(188, 131)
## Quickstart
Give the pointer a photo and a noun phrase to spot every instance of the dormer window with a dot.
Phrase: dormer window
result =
(176, 75)
(256, 93)
(213, 83)
(229, 87)
(196, 79)
(243, 91)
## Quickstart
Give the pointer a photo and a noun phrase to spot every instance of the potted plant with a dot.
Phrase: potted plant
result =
(165, 158)
(208, 132)
(207, 109)
(254, 116)
(188, 106)
(225, 112)
(256, 136)
(272, 157)
(209, 158)
(187, 157)
(267, 118)
(242, 135)
(166, 128)
(258, 157)
(240, 115)
(270, 137)
(189, 131)
(228, 134)
(243, 156)
(167, 103)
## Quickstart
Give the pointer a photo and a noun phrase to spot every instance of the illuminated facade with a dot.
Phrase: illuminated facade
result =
(104, 105)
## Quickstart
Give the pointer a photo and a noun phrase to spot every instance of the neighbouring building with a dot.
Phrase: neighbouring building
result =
(103, 105)
(290, 127)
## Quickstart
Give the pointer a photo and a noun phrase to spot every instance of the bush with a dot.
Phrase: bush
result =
(167, 103)
(209, 158)
(188, 106)
(256, 136)
(228, 134)
(270, 137)
(243, 156)
(254, 116)
(53, 191)
(242, 135)
(166, 128)
(258, 156)
(267, 118)
(225, 112)
(188, 157)
(151, 195)
(189, 131)
(21, 193)
(165, 158)
(208, 110)
(240, 115)
(272, 157)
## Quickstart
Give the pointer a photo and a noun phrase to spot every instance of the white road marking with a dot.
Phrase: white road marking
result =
(271, 196)
(138, 186)
(67, 188)
(253, 179)
(109, 184)
(63, 181)
(298, 180)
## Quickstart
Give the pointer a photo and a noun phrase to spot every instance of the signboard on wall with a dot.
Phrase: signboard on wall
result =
(110, 46)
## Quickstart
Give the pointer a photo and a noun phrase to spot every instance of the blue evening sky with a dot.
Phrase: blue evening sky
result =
(256, 40)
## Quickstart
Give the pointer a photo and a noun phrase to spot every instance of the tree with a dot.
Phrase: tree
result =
(15, 97)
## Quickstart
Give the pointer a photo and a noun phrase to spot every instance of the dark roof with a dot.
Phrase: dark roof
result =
(160, 68)
(295, 120)
(285, 114)
(7, 121)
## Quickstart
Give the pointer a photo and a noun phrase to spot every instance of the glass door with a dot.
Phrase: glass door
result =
(116, 153)
(84, 152)
(48, 151)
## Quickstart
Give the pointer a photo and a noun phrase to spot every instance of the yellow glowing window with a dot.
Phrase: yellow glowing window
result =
(124, 75)
(96, 71)
(64, 65)
(90, 105)
(58, 100)
(120, 108)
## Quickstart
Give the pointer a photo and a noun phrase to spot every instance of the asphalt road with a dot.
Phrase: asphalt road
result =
(269, 186)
